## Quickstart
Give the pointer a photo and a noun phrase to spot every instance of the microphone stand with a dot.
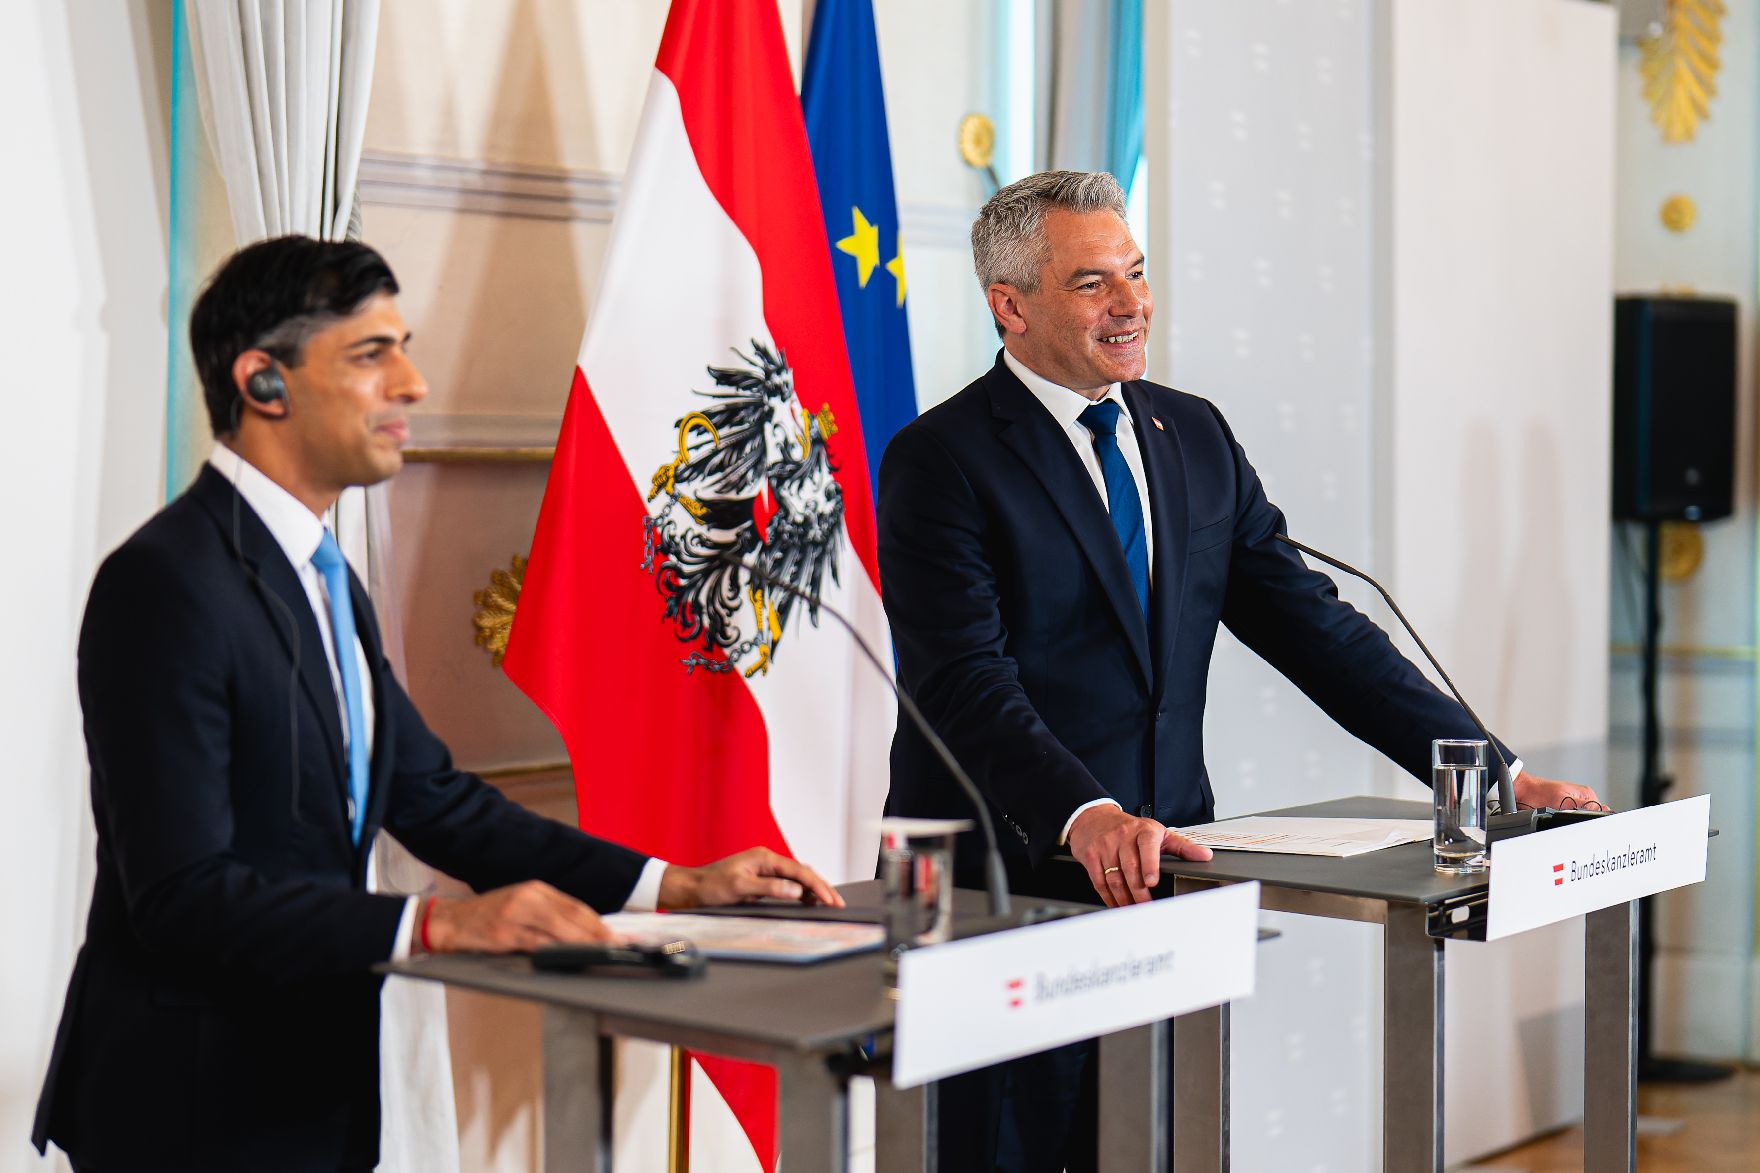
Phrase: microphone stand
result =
(1508, 822)
(996, 878)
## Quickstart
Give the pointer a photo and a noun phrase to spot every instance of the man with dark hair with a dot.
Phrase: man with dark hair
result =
(1059, 543)
(248, 739)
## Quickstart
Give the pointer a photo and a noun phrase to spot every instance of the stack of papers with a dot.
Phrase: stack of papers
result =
(750, 938)
(1337, 838)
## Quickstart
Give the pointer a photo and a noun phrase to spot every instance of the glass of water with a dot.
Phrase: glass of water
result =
(1458, 777)
(916, 880)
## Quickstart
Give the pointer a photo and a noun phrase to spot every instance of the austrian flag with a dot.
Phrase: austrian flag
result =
(713, 423)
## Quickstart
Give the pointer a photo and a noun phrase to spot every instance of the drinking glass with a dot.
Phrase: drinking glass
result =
(916, 877)
(1458, 777)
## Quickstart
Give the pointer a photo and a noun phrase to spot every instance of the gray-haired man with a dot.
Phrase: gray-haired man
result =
(1058, 544)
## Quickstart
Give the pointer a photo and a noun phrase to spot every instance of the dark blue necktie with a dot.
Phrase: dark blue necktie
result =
(328, 560)
(1121, 496)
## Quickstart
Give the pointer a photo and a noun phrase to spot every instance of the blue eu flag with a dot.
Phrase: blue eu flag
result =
(845, 112)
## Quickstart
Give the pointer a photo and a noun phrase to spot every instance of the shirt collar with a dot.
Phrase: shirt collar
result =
(1066, 406)
(295, 528)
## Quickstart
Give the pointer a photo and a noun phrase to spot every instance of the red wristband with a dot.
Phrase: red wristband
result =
(422, 934)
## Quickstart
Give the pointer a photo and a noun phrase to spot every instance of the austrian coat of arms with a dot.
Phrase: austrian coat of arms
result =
(750, 503)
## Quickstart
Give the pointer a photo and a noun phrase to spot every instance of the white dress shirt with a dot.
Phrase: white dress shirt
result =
(297, 530)
(1066, 407)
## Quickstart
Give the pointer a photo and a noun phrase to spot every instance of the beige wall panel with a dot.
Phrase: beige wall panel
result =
(555, 83)
(938, 64)
(497, 1080)
(497, 304)
(453, 524)
(952, 340)
(547, 83)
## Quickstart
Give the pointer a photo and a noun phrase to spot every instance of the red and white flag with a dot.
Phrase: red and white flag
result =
(713, 420)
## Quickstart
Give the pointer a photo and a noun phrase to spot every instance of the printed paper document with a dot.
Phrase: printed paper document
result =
(1338, 838)
(746, 938)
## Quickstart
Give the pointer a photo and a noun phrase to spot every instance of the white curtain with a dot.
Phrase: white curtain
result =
(283, 86)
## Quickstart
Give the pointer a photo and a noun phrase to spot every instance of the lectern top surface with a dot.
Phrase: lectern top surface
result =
(798, 1008)
(781, 1008)
(1399, 874)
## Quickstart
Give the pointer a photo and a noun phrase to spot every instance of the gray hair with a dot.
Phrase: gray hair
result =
(1009, 245)
(286, 343)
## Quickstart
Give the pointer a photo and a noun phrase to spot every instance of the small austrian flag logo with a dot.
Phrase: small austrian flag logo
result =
(1557, 874)
(1013, 985)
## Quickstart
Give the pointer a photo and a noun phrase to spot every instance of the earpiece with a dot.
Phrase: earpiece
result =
(266, 387)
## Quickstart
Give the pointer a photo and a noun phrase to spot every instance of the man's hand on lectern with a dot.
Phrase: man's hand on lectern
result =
(1535, 792)
(516, 919)
(1122, 853)
(753, 874)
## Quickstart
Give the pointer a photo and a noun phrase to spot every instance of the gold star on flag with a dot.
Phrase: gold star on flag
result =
(864, 245)
(896, 267)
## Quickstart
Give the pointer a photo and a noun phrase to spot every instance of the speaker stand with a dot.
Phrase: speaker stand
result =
(1652, 786)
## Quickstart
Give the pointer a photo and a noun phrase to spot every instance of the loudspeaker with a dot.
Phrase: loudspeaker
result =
(1674, 408)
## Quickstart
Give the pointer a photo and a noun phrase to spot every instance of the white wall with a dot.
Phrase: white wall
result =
(1381, 241)
(1708, 985)
(1258, 119)
(82, 313)
(1497, 182)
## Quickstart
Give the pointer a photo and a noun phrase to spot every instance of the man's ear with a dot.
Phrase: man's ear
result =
(1005, 307)
(260, 385)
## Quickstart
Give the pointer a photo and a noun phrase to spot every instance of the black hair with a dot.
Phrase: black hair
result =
(273, 295)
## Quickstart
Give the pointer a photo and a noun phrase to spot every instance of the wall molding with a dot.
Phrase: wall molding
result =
(436, 183)
(493, 189)
(946, 226)
(544, 786)
(440, 429)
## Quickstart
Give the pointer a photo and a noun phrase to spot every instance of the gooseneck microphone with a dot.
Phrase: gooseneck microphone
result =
(1509, 821)
(996, 877)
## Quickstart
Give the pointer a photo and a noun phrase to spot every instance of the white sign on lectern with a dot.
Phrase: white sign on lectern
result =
(970, 1003)
(1555, 875)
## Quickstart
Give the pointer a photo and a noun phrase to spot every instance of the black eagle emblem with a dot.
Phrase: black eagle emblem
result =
(753, 479)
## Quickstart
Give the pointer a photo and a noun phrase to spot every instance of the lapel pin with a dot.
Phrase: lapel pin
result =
(1159, 426)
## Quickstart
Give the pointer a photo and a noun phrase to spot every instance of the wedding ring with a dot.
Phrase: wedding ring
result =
(1110, 870)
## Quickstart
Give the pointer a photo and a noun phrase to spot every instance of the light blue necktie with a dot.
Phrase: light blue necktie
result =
(328, 559)
(1121, 496)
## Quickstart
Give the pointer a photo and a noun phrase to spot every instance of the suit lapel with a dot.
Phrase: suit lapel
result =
(1164, 466)
(284, 599)
(1029, 431)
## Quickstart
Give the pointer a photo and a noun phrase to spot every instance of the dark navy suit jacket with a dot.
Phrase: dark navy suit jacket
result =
(221, 1014)
(1019, 635)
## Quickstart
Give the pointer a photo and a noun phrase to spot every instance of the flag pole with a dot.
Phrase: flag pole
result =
(678, 1114)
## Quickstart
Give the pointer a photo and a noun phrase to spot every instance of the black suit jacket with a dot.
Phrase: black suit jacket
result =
(1019, 635)
(221, 1015)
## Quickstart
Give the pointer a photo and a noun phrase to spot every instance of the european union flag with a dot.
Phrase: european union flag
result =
(845, 112)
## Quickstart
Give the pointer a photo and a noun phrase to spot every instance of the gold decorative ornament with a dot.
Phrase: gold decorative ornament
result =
(1679, 213)
(977, 140)
(496, 604)
(1679, 65)
(1683, 549)
(479, 454)
(977, 145)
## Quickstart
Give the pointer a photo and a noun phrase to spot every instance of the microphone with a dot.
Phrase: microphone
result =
(1508, 821)
(996, 878)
